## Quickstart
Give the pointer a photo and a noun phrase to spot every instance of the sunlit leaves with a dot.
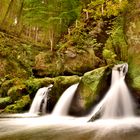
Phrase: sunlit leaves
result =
(106, 8)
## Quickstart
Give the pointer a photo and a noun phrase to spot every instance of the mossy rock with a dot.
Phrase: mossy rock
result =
(66, 63)
(33, 84)
(16, 92)
(4, 102)
(81, 62)
(7, 84)
(19, 106)
(61, 83)
(93, 86)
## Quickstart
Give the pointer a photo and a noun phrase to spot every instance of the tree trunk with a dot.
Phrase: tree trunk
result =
(19, 25)
(87, 16)
(51, 38)
(20, 12)
(102, 9)
(7, 12)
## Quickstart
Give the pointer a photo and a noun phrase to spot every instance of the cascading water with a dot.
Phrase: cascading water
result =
(40, 101)
(117, 121)
(63, 104)
(117, 102)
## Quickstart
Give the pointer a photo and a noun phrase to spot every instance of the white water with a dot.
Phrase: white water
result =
(117, 102)
(63, 104)
(40, 99)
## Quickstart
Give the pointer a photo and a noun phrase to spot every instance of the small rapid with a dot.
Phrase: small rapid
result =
(39, 103)
(117, 120)
(62, 106)
(117, 102)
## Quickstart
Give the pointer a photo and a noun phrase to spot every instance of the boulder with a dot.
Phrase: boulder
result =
(16, 92)
(19, 106)
(91, 89)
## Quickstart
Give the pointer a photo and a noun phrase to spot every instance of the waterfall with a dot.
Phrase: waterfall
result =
(63, 104)
(40, 100)
(117, 102)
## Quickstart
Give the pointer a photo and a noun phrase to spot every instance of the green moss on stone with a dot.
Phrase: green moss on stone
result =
(7, 84)
(4, 102)
(19, 106)
(92, 85)
(61, 83)
(33, 84)
(16, 92)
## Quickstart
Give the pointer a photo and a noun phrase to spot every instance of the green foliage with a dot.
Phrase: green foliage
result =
(109, 56)
(53, 17)
(116, 46)
(105, 8)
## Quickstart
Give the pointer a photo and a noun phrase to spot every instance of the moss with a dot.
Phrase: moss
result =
(136, 83)
(132, 30)
(134, 72)
(109, 56)
(16, 92)
(63, 82)
(4, 102)
(19, 106)
(17, 56)
(33, 84)
(92, 85)
(116, 48)
(6, 84)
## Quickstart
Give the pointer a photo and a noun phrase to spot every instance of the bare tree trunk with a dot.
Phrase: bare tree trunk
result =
(69, 32)
(51, 38)
(19, 25)
(29, 31)
(20, 12)
(7, 12)
(87, 16)
(76, 23)
(102, 9)
(36, 34)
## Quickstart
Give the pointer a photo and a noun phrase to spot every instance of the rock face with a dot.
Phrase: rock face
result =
(132, 31)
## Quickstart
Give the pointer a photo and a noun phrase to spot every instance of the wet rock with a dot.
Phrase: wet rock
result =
(91, 89)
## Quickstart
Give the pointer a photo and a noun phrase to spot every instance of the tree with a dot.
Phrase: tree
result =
(51, 17)
(12, 11)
